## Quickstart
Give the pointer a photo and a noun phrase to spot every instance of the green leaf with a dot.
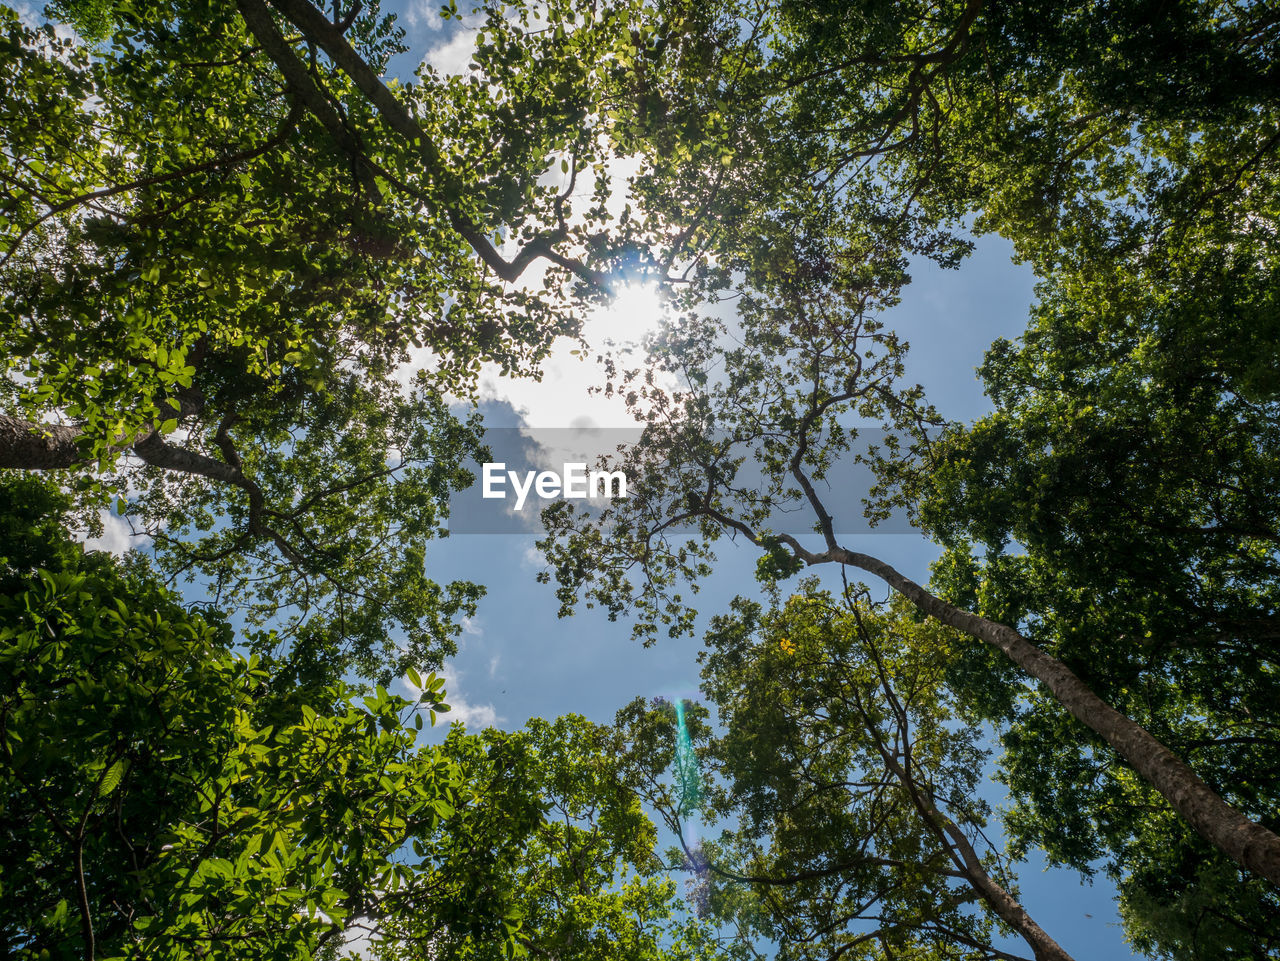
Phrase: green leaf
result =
(111, 780)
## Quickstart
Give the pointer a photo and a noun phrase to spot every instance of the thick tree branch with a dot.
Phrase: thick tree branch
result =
(1246, 842)
(299, 81)
(154, 451)
(28, 446)
(330, 38)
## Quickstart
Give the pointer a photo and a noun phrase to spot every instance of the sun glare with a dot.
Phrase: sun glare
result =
(635, 312)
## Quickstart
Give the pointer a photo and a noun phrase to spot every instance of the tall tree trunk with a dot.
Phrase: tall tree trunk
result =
(1247, 843)
(962, 853)
(28, 446)
(1004, 904)
(897, 756)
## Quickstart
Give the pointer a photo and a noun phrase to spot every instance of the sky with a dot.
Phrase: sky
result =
(519, 660)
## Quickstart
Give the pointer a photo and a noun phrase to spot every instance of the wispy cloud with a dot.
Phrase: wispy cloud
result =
(533, 559)
(460, 709)
(117, 537)
(453, 57)
(424, 13)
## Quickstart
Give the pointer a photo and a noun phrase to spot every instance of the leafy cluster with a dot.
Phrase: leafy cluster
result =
(166, 796)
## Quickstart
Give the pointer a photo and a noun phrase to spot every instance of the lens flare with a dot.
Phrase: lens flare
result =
(688, 777)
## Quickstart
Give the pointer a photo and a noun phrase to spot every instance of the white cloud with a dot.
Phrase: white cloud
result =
(471, 715)
(561, 398)
(460, 709)
(453, 57)
(424, 13)
(533, 559)
(117, 537)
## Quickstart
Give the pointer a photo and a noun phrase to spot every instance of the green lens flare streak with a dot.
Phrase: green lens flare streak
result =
(688, 777)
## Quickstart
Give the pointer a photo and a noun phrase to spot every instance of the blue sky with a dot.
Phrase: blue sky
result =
(519, 660)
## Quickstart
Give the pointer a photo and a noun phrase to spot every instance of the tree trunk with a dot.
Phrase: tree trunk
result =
(1008, 908)
(1247, 843)
(28, 446)
(1005, 905)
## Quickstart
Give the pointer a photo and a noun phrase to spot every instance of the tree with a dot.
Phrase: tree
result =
(812, 361)
(167, 797)
(561, 842)
(849, 784)
(1125, 487)
(795, 153)
(224, 232)
(161, 796)
(1130, 156)
(1104, 127)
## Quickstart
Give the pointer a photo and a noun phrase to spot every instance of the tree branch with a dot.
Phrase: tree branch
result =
(329, 38)
(260, 22)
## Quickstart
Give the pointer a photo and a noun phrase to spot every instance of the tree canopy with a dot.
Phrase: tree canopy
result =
(1125, 482)
(224, 234)
(851, 784)
(166, 796)
(249, 282)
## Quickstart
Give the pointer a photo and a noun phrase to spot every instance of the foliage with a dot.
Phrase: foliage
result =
(745, 421)
(166, 797)
(562, 843)
(225, 234)
(161, 798)
(1130, 155)
(1125, 487)
(1062, 126)
(848, 784)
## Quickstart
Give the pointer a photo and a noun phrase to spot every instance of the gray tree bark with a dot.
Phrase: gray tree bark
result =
(28, 446)
(1246, 842)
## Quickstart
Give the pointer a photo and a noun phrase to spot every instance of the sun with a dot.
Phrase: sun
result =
(635, 311)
